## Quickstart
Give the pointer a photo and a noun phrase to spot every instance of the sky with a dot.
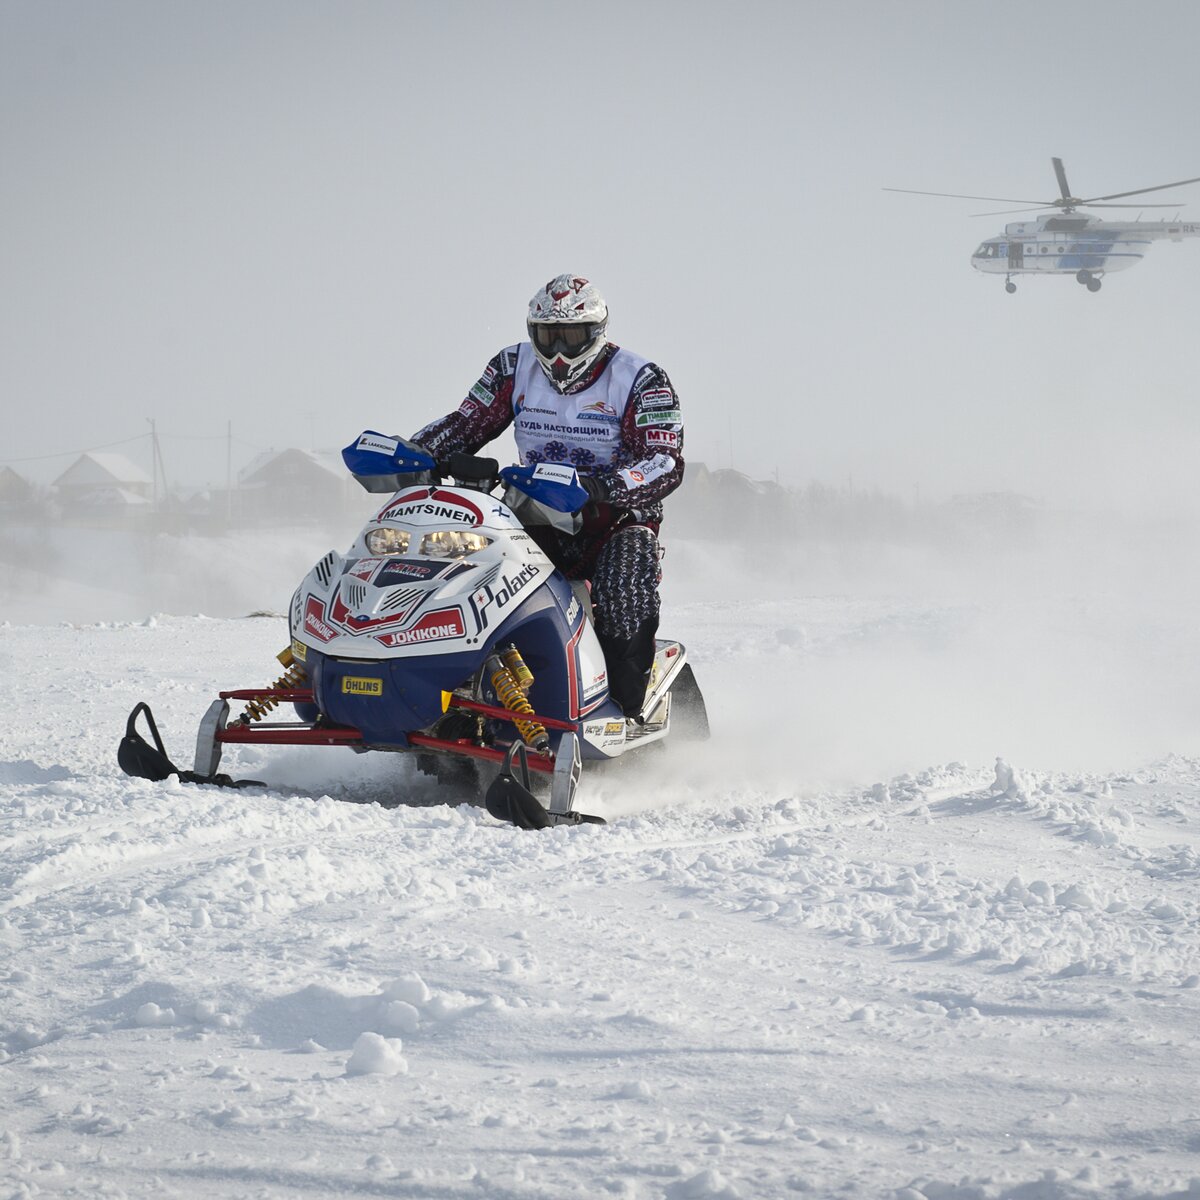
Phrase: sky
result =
(281, 223)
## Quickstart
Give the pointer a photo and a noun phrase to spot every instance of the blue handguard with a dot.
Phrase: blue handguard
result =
(555, 485)
(383, 464)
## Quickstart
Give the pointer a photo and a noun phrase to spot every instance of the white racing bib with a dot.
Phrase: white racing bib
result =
(583, 429)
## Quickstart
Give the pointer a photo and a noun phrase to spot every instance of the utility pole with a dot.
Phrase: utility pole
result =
(160, 467)
(154, 459)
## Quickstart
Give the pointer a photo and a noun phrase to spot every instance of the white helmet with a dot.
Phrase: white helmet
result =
(567, 321)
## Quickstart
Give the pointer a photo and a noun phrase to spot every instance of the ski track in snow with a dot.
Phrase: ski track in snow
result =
(962, 983)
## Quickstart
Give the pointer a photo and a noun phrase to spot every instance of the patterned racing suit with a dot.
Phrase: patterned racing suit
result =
(620, 427)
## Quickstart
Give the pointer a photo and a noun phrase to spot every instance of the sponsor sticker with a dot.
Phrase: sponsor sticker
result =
(605, 734)
(658, 398)
(356, 685)
(428, 506)
(555, 472)
(433, 627)
(669, 417)
(652, 468)
(468, 408)
(314, 621)
(510, 587)
(662, 437)
(482, 395)
(299, 650)
(374, 441)
(364, 568)
(599, 410)
(404, 570)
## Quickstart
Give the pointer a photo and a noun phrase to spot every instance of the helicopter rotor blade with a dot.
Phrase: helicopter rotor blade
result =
(1046, 207)
(1000, 212)
(1061, 176)
(958, 196)
(1178, 205)
(1141, 191)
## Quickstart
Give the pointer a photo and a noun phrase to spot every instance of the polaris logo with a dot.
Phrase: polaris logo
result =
(510, 586)
(356, 685)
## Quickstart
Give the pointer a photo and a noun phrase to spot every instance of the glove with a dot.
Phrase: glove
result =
(597, 497)
(595, 488)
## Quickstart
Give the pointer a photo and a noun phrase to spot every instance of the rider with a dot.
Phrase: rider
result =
(573, 397)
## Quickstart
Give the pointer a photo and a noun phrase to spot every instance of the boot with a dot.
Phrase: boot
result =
(629, 660)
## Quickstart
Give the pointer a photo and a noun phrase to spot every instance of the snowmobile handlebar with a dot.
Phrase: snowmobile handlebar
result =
(382, 463)
(385, 464)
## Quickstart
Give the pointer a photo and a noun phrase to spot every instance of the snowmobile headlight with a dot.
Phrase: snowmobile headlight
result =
(453, 543)
(385, 541)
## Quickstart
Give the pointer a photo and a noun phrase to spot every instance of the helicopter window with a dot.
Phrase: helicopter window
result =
(1045, 249)
(987, 250)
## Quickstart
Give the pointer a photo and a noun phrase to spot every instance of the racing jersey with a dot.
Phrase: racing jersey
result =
(620, 424)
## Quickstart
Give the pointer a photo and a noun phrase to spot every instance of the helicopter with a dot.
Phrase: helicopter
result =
(1067, 242)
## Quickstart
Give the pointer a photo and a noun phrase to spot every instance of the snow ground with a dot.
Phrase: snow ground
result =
(840, 951)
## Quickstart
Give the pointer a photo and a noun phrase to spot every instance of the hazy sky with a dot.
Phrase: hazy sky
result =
(306, 218)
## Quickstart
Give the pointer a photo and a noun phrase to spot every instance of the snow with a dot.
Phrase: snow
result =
(920, 922)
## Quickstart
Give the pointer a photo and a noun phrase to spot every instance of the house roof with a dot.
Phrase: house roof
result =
(13, 484)
(109, 496)
(98, 469)
(290, 465)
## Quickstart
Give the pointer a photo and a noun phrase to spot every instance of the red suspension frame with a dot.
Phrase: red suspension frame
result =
(345, 735)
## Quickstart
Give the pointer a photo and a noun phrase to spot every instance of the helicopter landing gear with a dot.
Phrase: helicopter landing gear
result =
(1093, 285)
(1088, 280)
(1009, 286)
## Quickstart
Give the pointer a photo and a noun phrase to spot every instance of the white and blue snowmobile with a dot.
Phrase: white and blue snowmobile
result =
(446, 632)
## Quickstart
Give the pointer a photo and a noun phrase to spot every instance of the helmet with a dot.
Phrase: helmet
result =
(567, 321)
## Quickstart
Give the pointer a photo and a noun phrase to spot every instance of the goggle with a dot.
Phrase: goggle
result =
(568, 339)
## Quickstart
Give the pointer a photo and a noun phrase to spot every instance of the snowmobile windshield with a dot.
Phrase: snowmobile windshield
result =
(565, 338)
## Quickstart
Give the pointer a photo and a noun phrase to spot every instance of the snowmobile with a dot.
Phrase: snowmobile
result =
(447, 633)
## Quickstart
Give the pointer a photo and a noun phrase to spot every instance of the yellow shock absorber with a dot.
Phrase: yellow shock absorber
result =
(511, 658)
(292, 678)
(514, 700)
